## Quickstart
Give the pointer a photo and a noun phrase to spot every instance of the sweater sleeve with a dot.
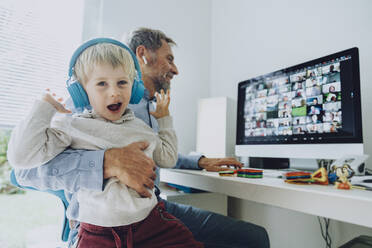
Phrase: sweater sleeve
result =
(33, 142)
(165, 154)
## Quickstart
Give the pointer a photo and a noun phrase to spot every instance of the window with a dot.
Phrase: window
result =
(37, 39)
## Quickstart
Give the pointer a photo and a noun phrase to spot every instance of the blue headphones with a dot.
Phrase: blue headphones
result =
(76, 90)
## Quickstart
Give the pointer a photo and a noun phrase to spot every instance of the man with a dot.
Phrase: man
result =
(88, 169)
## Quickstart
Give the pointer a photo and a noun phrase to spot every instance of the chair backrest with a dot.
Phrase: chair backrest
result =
(59, 193)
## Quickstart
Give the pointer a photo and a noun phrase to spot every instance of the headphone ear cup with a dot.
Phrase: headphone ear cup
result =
(137, 91)
(79, 96)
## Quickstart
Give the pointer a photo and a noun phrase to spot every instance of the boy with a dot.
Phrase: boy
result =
(106, 72)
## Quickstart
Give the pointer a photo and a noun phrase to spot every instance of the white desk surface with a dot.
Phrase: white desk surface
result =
(352, 206)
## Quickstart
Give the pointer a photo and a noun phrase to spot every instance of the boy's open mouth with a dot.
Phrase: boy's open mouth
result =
(114, 107)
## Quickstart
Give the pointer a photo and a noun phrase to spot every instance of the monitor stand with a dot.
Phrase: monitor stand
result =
(268, 163)
(303, 164)
(284, 163)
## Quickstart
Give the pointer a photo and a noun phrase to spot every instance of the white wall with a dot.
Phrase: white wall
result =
(188, 24)
(251, 38)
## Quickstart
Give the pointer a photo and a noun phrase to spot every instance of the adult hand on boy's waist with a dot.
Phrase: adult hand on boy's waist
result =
(131, 166)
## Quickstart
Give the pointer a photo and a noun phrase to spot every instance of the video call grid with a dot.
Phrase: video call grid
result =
(295, 103)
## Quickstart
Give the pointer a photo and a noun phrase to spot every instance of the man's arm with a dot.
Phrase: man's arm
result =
(188, 162)
(70, 171)
(75, 169)
(199, 162)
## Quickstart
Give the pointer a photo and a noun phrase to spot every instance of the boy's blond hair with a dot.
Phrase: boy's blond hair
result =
(103, 53)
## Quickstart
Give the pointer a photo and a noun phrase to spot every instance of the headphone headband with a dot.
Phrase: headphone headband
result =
(96, 41)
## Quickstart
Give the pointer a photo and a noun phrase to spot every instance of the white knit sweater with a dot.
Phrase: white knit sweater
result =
(42, 135)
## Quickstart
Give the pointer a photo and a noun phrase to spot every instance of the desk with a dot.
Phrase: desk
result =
(352, 206)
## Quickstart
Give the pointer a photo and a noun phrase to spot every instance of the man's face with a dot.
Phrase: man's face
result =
(109, 90)
(161, 68)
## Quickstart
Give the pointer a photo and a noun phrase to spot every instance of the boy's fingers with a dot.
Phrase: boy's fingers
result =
(66, 111)
(153, 114)
(61, 108)
(55, 102)
(168, 93)
(168, 102)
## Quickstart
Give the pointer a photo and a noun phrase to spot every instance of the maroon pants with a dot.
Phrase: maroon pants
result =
(159, 230)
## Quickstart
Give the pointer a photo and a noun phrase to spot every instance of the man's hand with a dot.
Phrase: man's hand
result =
(214, 164)
(131, 166)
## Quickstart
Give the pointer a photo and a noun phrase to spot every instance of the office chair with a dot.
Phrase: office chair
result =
(59, 193)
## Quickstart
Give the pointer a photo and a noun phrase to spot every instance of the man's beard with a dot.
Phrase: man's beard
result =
(161, 84)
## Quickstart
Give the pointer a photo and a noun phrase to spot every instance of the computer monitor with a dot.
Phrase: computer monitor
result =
(311, 110)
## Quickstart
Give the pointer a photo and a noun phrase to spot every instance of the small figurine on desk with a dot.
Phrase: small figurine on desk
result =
(320, 176)
(344, 173)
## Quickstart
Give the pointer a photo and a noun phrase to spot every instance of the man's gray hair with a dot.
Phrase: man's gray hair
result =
(149, 38)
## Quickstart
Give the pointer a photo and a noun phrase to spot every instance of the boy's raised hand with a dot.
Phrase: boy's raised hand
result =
(57, 103)
(162, 104)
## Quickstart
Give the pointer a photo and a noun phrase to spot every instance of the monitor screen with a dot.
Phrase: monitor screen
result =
(313, 102)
